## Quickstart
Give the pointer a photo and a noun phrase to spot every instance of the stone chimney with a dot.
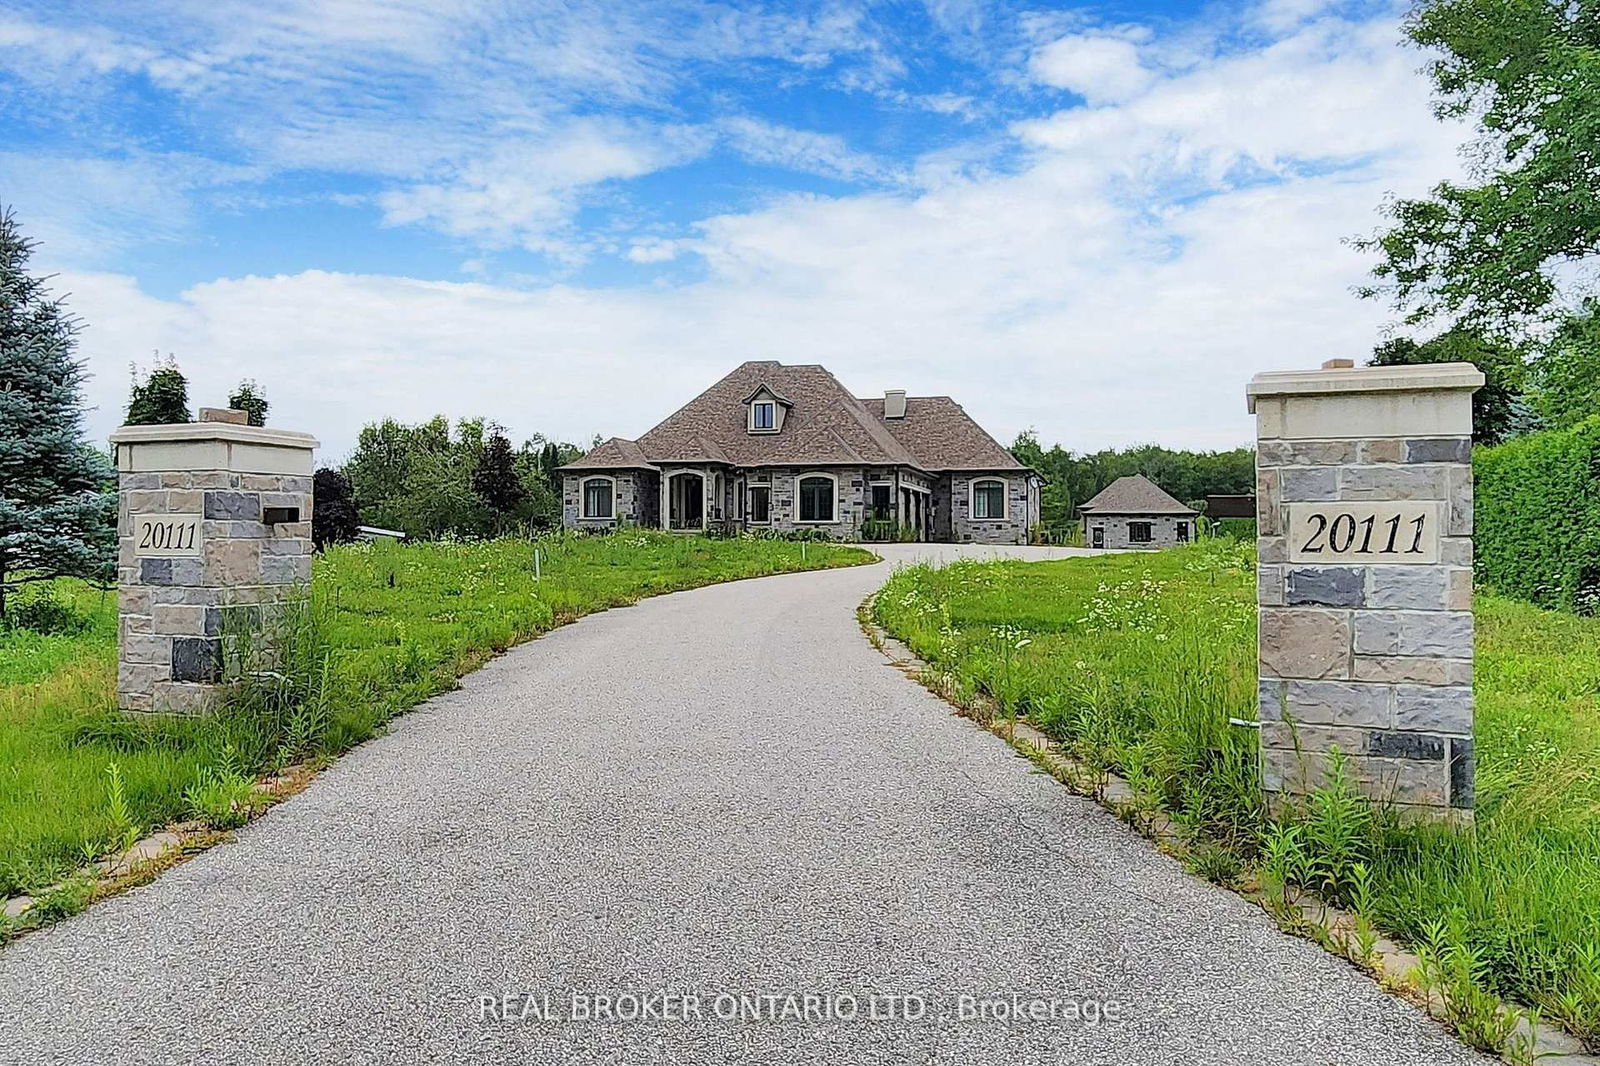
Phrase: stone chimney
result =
(894, 403)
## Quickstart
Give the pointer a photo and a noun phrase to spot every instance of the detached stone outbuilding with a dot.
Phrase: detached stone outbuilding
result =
(1135, 512)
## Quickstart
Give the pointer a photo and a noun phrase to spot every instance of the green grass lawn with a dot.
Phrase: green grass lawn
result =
(1136, 663)
(392, 624)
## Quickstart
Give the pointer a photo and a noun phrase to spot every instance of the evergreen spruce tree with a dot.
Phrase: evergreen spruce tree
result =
(57, 505)
(161, 399)
(549, 460)
(495, 478)
(247, 398)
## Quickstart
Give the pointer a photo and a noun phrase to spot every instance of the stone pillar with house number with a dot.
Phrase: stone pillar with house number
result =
(1364, 513)
(213, 517)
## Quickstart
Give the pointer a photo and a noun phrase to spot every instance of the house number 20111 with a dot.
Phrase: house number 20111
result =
(1378, 533)
(166, 535)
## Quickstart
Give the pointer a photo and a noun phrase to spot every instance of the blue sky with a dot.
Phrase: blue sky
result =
(1096, 221)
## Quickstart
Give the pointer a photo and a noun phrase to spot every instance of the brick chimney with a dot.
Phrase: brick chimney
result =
(894, 403)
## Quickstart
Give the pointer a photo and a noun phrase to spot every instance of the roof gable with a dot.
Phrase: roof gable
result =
(618, 453)
(1135, 494)
(824, 425)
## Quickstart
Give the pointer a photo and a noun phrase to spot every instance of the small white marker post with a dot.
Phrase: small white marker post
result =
(537, 572)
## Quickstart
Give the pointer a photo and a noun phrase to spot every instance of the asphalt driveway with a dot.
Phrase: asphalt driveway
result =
(722, 798)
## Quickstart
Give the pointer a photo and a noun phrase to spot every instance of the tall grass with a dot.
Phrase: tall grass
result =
(1137, 663)
(385, 627)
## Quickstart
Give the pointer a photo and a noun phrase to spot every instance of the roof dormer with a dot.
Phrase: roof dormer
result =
(765, 411)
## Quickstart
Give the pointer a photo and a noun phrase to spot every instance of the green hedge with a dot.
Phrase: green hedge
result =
(1538, 517)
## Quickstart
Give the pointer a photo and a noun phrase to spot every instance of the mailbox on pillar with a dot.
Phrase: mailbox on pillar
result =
(212, 516)
(1364, 514)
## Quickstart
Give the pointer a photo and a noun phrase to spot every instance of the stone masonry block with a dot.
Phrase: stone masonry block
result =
(1414, 670)
(146, 648)
(185, 501)
(1270, 696)
(1416, 782)
(1447, 634)
(1307, 452)
(134, 482)
(196, 659)
(1269, 586)
(1383, 450)
(1425, 746)
(1309, 485)
(1272, 550)
(233, 506)
(1434, 709)
(1394, 483)
(231, 619)
(1408, 588)
(133, 599)
(1269, 510)
(1458, 596)
(286, 546)
(1439, 450)
(180, 619)
(1342, 703)
(146, 502)
(1455, 551)
(1459, 522)
(155, 571)
(1304, 643)
(1462, 773)
(285, 569)
(174, 697)
(1328, 586)
(135, 624)
(233, 562)
(141, 677)
(1314, 737)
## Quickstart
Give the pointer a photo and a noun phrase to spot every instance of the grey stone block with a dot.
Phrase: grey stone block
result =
(1447, 634)
(1270, 698)
(1272, 550)
(1308, 486)
(1439, 450)
(1434, 708)
(1405, 745)
(1394, 483)
(155, 571)
(1328, 586)
(1341, 703)
(1407, 588)
(232, 619)
(196, 659)
(1306, 452)
(1463, 790)
(233, 506)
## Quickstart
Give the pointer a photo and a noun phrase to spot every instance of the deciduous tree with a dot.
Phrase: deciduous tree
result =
(160, 397)
(247, 398)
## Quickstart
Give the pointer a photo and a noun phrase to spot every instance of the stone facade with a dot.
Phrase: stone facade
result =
(230, 510)
(1113, 531)
(635, 499)
(953, 498)
(1365, 581)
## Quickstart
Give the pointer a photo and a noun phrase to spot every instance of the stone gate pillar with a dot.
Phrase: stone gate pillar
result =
(1364, 513)
(212, 516)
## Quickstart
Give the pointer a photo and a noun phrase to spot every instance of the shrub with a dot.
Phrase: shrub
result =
(1538, 518)
(41, 610)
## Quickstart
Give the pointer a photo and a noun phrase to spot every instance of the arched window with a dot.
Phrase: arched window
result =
(816, 495)
(988, 498)
(599, 497)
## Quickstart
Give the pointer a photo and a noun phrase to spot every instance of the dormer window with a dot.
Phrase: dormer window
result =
(763, 417)
(764, 411)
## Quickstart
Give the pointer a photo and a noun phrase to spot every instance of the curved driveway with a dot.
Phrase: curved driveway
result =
(719, 791)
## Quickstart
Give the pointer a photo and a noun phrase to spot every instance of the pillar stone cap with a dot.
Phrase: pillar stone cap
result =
(210, 431)
(1424, 377)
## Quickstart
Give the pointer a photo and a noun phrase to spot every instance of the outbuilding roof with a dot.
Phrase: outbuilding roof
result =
(1135, 494)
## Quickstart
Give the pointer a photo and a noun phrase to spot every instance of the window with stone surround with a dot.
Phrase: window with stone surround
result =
(760, 505)
(599, 497)
(1139, 533)
(816, 494)
(989, 498)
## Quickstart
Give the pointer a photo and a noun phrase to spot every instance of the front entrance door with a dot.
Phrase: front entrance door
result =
(1097, 537)
(686, 501)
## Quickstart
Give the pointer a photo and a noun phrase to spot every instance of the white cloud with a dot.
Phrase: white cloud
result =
(1101, 69)
(804, 151)
(1121, 282)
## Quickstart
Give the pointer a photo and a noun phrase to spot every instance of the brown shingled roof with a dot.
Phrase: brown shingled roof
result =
(823, 425)
(1135, 494)
(614, 454)
(940, 433)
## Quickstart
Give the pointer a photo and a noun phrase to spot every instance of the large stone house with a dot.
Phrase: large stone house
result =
(1135, 512)
(787, 448)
